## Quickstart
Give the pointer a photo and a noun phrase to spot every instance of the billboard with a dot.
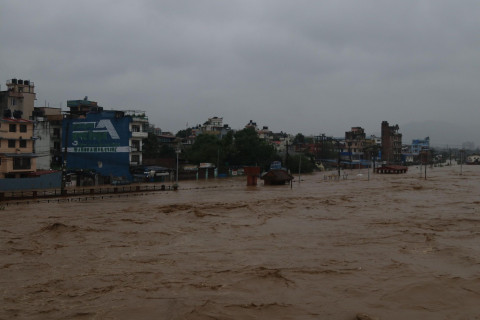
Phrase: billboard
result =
(98, 142)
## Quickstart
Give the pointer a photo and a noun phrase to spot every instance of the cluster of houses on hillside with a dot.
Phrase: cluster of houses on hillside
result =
(109, 143)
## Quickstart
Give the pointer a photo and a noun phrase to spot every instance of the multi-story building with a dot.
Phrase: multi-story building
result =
(252, 124)
(16, 147)
(98, 142)
(391, 143)
(19, 97)
(107, 142)
(375, 140)
(79, 108)
(139, 129)
(47, 137)
(214, 126)
(419, 144)
(266, 134)
(355, 141)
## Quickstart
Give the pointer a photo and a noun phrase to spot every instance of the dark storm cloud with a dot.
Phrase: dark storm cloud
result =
(303, 66)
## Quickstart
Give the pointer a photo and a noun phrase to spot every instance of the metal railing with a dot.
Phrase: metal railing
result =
(92, 192)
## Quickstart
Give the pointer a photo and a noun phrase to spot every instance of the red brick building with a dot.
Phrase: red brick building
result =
(391, 143)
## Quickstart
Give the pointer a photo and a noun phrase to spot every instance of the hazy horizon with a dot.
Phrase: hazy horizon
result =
(308, 67)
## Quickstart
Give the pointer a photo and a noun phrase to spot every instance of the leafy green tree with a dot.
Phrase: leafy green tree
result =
(151, 146)
(251, 150)
(302, 162)
(226, 152)
(205, 149)
(166, 151)
(309, 140)
(184, 133)
(241, 148)
(299, 139)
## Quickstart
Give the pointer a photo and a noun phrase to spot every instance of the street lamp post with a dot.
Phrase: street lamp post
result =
(177, 151)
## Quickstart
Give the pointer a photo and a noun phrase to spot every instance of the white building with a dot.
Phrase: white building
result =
(47, 137)
(139, 130)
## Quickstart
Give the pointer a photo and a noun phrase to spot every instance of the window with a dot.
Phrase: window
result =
(135, 158)
(23, 143)
(11, 143)
(21, 163)
(135, 128)
(135, 145)
(56, 132)
(23, 128)
(12, 128)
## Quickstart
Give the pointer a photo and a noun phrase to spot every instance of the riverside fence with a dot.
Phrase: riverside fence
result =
(83, 193)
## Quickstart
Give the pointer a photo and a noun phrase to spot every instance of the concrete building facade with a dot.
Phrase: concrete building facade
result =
(139, 129)
(419, 144)
(355, 142)
(391, 144)
(107, 142)
(17, 158)
(214, 126)
(19, 97)
(47, 137)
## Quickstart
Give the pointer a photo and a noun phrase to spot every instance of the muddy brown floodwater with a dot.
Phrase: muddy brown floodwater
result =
(394, 247)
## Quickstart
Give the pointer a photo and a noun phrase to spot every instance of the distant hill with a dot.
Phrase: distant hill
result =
(441, 134)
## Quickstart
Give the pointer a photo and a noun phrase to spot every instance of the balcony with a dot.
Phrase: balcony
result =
(143, 119)
(15, 94)
(139, 134)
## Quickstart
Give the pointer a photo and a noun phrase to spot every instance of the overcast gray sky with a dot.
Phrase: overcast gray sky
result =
(314, 67)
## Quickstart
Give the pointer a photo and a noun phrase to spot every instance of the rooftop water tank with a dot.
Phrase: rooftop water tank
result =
(17, 114)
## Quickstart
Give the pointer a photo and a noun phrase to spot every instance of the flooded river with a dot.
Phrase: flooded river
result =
(392, 247)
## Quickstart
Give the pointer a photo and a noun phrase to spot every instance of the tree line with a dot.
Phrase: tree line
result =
(233, 150)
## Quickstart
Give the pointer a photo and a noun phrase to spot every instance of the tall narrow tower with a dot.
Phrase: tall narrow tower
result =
(391, 143)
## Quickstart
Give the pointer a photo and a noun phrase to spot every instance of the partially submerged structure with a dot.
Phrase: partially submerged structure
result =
(276, 177)
(392, 169)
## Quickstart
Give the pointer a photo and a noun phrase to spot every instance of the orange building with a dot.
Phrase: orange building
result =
(17, 158)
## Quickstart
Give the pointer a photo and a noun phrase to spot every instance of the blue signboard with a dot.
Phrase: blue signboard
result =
(99, 142)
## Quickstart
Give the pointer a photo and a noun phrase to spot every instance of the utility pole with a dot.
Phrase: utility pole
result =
(218, 161)
(177, 151)
(299, 167)
(462, 151)
(338, 161)
(286, 154)
(64, 162)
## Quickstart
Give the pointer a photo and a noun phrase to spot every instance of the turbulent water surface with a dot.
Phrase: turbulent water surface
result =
(394, 247)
